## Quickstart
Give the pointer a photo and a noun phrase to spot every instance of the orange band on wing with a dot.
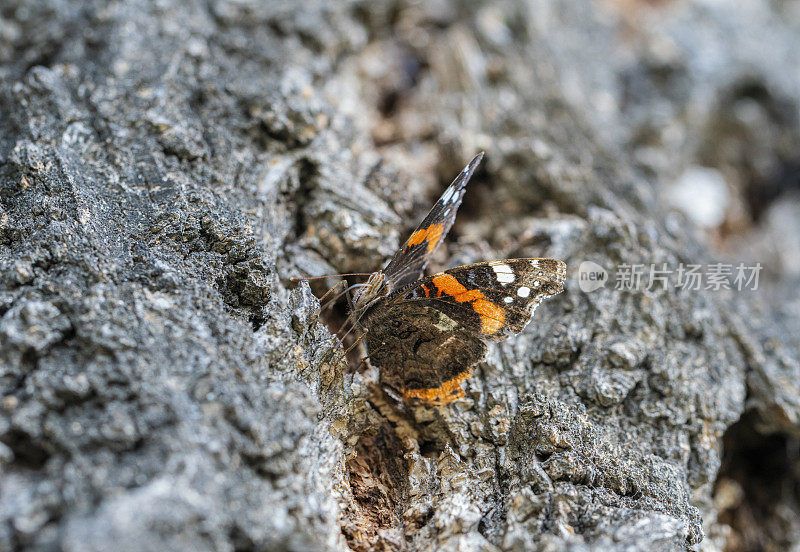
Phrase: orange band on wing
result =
(444, 394)
(492, 316)
(452, 287)
(432, 234)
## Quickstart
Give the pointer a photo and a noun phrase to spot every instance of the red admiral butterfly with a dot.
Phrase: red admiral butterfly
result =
(425, 333)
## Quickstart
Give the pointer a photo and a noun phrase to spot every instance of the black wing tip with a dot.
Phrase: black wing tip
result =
(466, 174)
(475, 161)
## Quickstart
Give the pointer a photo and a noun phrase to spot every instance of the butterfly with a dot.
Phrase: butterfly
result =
(426, 332)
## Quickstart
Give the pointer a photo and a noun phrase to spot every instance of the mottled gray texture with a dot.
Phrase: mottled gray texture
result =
(165, 167)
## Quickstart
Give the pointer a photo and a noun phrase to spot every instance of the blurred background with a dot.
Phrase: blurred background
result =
(702, 96)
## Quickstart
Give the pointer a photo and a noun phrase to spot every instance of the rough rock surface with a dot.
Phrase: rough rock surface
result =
(165, 167)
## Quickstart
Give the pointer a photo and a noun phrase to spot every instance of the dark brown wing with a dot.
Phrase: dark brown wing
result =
(421, 352)
(493, 300)
(408, 263)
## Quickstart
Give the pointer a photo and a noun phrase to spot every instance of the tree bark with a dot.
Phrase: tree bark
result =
(166, 167)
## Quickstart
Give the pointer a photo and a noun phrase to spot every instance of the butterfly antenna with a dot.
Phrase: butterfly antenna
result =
(329, 276)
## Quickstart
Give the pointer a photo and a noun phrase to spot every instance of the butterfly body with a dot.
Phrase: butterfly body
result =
(426, 333)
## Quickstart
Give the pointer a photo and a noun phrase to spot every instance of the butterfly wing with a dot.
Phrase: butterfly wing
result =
(421, 352)
(493, 300)
(408, 263)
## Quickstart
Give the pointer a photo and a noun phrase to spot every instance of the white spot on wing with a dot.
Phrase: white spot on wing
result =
(524, 291)
(504, 273)
(448, 193)
(508, 299)
(505, 278)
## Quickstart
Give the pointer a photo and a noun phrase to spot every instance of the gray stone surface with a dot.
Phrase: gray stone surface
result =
(166, 167)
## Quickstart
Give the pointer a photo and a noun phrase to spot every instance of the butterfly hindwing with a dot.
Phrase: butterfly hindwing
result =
(422, 353)
(410, 260)
(493, 299)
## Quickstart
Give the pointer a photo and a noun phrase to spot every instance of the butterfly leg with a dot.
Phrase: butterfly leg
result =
(358, 340)
(322, 300)
(366, 356)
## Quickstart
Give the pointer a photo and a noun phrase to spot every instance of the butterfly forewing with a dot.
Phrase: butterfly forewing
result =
(495, 299)
(410, 260)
